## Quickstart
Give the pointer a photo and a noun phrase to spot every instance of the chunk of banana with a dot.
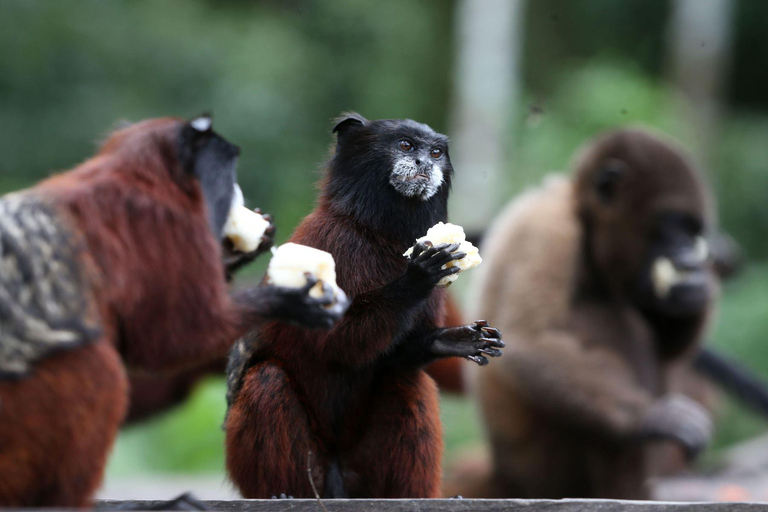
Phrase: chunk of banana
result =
(244, 227)
(291, 261)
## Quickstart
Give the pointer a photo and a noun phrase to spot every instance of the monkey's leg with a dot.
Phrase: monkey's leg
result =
(401, 451)
(57, 426)
(269, 438)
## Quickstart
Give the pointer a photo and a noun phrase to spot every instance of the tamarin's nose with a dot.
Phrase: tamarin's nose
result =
(418, 162)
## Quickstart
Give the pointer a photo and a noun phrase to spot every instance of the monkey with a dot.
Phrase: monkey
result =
(113, 267)
(353, 403)
(603, 288)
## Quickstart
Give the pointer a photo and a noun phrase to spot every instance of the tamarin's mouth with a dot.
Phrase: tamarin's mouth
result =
(412, 179)
(422, 176)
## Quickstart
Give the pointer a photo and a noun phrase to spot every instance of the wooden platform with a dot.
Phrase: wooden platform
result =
(451, 506)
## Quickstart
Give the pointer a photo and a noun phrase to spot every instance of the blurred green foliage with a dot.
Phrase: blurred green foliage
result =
(275, 73)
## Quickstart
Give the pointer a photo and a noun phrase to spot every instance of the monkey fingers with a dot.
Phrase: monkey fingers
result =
(473, 342)
(679, 418)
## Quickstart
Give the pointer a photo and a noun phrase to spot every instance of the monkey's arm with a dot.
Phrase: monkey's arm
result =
(424, 346)
(594, 390)
(377, 320)
(293, 305)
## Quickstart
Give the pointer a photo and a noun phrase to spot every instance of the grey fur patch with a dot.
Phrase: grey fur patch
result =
(240, 357)
(42, 302)
(404, 178)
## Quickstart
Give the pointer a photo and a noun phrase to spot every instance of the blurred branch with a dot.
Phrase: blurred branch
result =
(489, 36)
(700, 40)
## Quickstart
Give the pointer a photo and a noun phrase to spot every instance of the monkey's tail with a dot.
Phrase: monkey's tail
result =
(734, 378)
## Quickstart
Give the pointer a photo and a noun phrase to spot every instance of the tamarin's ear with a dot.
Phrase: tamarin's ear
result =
(191, 133)
(348, 121)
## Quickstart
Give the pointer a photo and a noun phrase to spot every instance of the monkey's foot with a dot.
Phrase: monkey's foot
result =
(474, 342)
(282, 496)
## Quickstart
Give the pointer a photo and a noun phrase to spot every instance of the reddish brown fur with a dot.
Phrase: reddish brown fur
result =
(158, 291)
(58, 427)
(398, 433)
(158, 266)
(448, 372)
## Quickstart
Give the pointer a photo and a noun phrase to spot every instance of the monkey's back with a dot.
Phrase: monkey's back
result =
(43, 290)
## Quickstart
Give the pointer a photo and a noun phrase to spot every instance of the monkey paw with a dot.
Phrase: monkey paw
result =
(474, 342)
(681, 419)
(282, 496)
(298, 306)
(425, 268)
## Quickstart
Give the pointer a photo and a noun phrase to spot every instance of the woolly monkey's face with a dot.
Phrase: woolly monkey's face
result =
(646, 210)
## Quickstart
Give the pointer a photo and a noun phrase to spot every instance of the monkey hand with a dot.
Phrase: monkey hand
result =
(426, 266)
(298, 306)
(474, 342)
(235, 260)
(681, 419)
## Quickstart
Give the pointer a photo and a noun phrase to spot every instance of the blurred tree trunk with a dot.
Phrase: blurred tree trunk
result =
(700, 40)
(489, 39)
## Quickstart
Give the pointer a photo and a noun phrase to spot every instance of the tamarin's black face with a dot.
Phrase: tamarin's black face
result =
(646, 210)
(213, 161)
(391, 174)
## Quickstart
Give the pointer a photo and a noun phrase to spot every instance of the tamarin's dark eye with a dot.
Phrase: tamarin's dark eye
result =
(436, 153)
(405, 145)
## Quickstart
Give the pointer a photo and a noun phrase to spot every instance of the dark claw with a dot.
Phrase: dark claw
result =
(268, 217)
(480, 360)
(494, 342)
(257, 210)
(491, 332)
(492, 352)
(480, 323)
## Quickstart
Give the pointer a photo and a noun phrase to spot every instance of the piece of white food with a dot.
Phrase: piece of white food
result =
(244, 227)
(290, 262)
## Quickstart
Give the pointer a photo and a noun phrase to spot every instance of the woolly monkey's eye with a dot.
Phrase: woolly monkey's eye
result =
(436, 153)
(405, 145)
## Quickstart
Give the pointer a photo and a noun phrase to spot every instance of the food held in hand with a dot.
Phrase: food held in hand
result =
(291, 262)
(447, 233)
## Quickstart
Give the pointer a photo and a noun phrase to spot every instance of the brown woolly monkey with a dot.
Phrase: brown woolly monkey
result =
(116, 264)
(602, 287)
(353, 402)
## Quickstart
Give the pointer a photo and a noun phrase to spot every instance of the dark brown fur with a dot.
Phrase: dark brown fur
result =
(566, 407)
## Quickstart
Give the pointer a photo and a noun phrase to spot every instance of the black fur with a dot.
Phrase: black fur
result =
(213, 160)
(358, 180)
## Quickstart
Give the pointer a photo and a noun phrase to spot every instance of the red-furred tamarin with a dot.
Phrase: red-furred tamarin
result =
(115, 265)
(354, 401)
